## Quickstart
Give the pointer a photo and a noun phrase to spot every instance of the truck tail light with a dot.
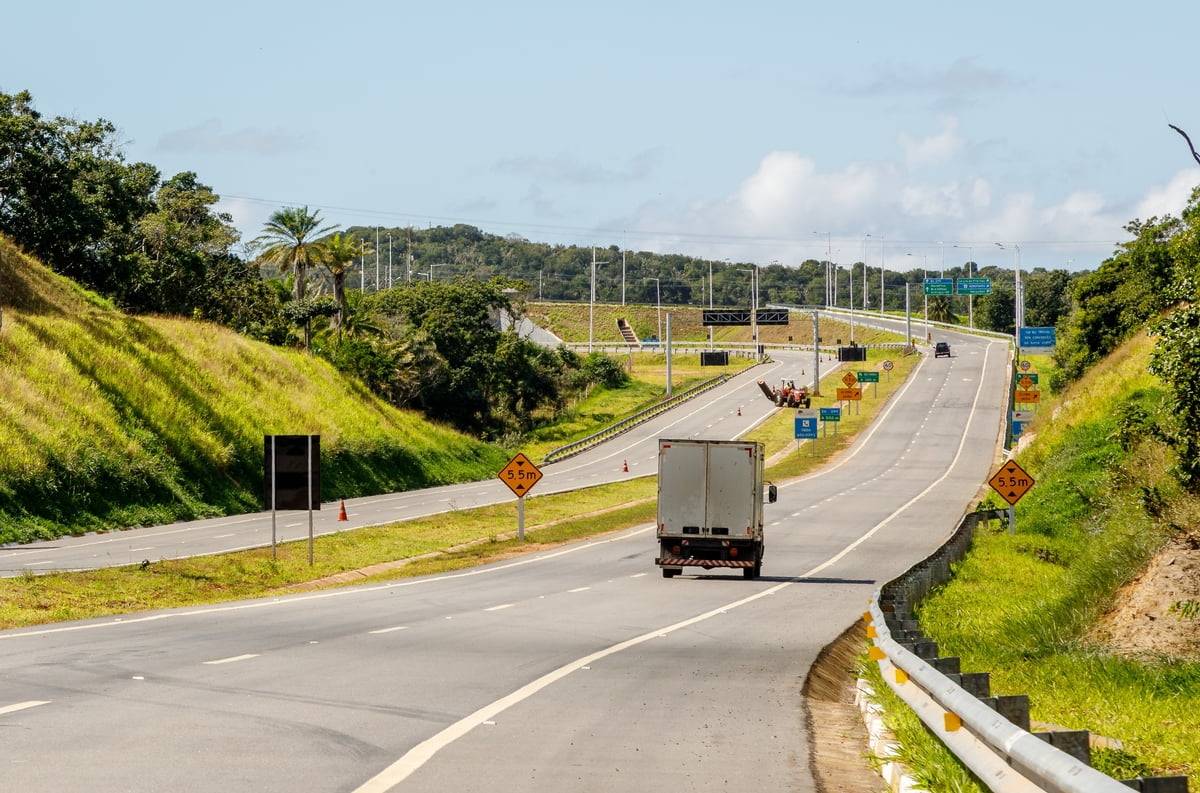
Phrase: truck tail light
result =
(675, 549)
(732, 552)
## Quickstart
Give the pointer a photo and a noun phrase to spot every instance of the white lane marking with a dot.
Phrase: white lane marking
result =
(501, 606)
(138, 677)
(879, 422)
(147, 548)
(390, 630)
(420, 754)
(35, 564)
(143, 536)
(637, 575)
(293, 525)
(579, 589)
(33, 703)
(333, 593)
(222, 536)
(231, 659)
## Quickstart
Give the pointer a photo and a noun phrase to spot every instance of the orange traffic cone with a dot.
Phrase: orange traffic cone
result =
(342, 511)
(625, 467)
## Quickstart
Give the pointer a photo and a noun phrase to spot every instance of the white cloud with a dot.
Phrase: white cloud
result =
(210, 137)
(1169, 199)
(934, 149)
(773, 212)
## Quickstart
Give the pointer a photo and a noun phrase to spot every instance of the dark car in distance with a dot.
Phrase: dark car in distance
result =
(941, 349)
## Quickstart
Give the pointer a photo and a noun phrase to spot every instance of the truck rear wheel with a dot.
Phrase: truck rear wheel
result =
(669, 572)
(753, 572)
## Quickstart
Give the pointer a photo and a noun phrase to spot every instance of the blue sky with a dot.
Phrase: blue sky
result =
(720, 129)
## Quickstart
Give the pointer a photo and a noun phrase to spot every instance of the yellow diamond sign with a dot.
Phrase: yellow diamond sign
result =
(1011, 482)
(849, 379)
(520, 474)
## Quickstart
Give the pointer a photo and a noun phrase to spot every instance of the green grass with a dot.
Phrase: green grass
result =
(1020, 606)
(569, 321)
(110, 421)
(549, 519)
(928, 760)
(778, 432)
(604, 406)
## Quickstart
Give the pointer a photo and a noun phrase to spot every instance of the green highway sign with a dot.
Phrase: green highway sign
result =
(831, 414)
(1031, 375)
(974, 286)
(868, 377)
(939, 287)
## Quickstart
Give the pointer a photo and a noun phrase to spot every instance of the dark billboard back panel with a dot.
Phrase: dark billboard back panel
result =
(714, 358)
(291, 472)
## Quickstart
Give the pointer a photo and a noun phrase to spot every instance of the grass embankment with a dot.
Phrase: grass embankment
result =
(109, 421)
(188, 582)
(604, 406)
(1021, 606)
(778, 432)
(569, 321)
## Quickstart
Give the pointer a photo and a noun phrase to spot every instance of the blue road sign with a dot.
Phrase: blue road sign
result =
(942, 287)
(831, 414)
(806, 428)
(1037, 337)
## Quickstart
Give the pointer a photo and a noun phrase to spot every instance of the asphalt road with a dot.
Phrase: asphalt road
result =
(579, 669)
(713, 412)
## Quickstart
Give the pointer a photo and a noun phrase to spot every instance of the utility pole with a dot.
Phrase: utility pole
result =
(362, 265)
(882, 267)
(907, 319)
(390, 277)
(710, 303)
(866, 301)
(377, 258)
(851, 302)
(816, 353)
(668, 354)
(622, 276)
(540, 270)
(592, 300)
(408, 254)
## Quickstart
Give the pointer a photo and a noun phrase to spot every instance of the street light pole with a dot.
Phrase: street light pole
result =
(970, 298)
(623, 276)
(882, 267)
(1018, 297)
(866, 301)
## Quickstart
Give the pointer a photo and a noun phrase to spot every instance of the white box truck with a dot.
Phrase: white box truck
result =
(710, 505)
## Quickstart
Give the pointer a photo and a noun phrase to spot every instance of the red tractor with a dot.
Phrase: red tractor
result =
(787, 394)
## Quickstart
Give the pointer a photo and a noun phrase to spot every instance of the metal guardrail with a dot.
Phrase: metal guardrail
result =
(1003, 755)
(746, 347)
(641, 417)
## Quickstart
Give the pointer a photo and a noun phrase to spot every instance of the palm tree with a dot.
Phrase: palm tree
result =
(291, 242)
(337, 254)
(940, 310)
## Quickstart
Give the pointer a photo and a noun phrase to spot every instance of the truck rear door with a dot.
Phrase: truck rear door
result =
(730, 496)
(681, 470)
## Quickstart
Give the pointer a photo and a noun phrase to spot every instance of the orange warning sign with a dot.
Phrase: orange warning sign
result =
(849, 394)
(1026, 382)
(520, 474)
(1011, 482)
(1027, 397)
(849, 379)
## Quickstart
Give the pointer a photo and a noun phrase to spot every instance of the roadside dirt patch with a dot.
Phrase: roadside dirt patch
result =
(1152, 616)
(836, 733)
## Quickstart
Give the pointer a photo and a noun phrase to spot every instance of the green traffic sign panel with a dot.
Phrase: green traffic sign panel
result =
(974, 286)
(1017, 376)
(867, 377)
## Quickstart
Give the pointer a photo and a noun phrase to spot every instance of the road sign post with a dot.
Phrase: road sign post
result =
(520, 475)
(291, 480)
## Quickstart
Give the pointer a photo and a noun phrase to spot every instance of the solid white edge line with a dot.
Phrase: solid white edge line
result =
(33, 703)
(389, 630)
(501, 606)
(231, 659)
(420, 754)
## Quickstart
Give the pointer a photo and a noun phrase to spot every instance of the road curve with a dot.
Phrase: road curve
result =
(576, 669)
(714, 412)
